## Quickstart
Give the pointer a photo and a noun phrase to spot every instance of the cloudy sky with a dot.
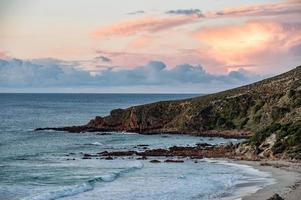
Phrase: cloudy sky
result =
(145, 45)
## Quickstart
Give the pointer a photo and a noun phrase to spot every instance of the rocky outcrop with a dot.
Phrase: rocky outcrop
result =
(234, 113)
(278, 141)
(196, 152)
(275, 197)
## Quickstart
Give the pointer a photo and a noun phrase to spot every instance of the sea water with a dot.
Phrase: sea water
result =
(48, 165)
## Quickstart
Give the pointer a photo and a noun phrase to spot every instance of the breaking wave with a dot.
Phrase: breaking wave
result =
(84, 187)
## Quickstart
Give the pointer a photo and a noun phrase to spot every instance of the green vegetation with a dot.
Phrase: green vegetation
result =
(288, 139)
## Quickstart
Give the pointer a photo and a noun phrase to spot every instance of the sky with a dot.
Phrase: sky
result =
(145, 46)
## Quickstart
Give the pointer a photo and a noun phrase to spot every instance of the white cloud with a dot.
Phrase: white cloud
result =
(51, 73)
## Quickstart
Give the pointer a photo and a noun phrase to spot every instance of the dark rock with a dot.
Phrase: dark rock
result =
(154, 152)
(97, 121)
(276, 197)
(192, 152)
(116, 112)
(118, 153)
(174, 161)
(155, 161)
(142, 145)
(88, 156)
(203, 145)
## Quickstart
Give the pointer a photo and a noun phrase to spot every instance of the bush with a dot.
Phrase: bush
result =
(288, 139)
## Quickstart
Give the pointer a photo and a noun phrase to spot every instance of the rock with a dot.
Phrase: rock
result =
(116, 112)
(266, 147)
(196, 152)
(174, 161)
(203, 145)
(155, 161)
(276, 197)
(154, 152)
(88, 156)
(118, 153)
(97, 121)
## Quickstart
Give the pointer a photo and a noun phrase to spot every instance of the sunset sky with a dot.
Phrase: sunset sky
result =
(145, 45)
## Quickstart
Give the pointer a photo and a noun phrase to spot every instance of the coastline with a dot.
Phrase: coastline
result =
(281, 177)
(287, 177)
(268, 177)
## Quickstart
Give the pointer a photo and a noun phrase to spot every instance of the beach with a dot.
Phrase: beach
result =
(287, 177)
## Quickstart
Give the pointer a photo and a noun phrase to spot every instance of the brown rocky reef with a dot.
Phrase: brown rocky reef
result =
(238, 112)
(199, 151)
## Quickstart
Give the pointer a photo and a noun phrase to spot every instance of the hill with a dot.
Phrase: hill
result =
(257, 110)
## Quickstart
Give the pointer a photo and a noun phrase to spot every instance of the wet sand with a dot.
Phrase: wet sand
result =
(287, 177)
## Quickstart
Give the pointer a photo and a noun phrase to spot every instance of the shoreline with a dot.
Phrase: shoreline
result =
(282, 177)
(287, 176)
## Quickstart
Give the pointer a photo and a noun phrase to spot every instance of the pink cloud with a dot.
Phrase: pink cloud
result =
(3, 55)
(253, 45)
(140, 42)
(258, 42)
(146, 24)
(262, 41)
(259, 10)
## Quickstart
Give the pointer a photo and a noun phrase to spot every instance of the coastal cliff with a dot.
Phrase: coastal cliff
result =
(268, 111)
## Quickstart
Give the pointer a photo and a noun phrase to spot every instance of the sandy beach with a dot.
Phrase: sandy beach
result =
(287, 177)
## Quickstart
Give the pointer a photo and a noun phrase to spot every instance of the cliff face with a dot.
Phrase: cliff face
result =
(245, 109)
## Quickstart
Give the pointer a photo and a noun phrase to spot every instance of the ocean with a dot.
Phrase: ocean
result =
(48, 165)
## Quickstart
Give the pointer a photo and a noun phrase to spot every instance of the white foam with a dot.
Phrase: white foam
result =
(84, 187)
(248, 169)
(64, 192)
(256, 176)
(96, 143)
(108, 177)
(127, 133)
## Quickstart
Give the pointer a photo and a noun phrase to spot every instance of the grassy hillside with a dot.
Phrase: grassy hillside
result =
(251, 108)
